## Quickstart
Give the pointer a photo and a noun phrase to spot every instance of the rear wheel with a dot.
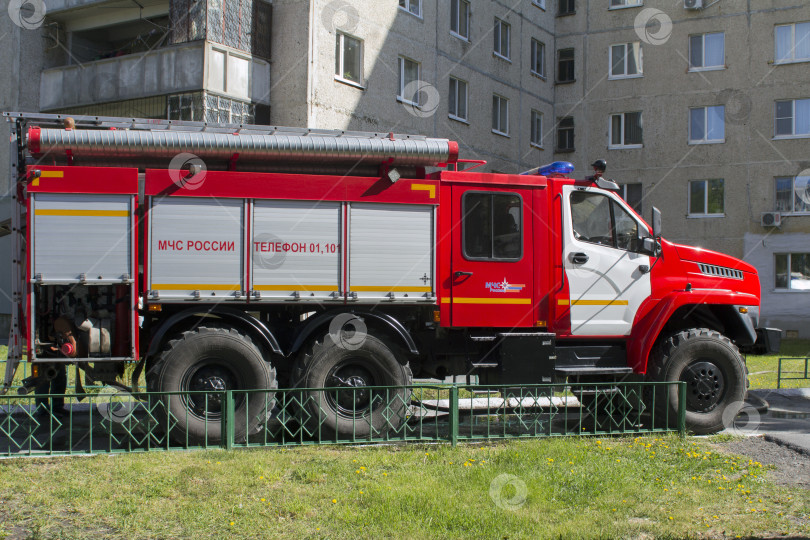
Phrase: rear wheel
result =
(353, 410)
(197, 367)
(714, 373)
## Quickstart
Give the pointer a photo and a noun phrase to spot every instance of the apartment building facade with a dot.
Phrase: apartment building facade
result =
(699, 108)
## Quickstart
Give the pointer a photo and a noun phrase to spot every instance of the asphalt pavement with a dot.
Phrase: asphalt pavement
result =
(784, 417)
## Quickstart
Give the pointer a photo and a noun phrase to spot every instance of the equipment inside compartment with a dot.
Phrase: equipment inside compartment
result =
(82, 321)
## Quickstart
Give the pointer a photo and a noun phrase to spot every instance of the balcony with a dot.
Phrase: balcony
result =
(175, 69)
(78, 15)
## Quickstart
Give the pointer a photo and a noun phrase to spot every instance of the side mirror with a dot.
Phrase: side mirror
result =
(649, 246)
(656, 223)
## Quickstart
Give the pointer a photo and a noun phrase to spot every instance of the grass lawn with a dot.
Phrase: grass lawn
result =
(573, 487)
(763, 369)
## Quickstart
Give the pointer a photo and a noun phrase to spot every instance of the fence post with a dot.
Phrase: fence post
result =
(454, 415)
(228, 420)
(681, 408)
(779, 375)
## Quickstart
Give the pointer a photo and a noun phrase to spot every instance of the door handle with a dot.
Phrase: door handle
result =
(459, 273)
(579, 258)
(643, 268)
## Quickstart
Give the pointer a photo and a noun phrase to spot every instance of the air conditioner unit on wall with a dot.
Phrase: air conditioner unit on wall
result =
(771, 219)
(693, 4)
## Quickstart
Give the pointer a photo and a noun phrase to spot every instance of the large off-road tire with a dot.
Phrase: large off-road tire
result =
(714, 372)
(211, 359)
(353, 412)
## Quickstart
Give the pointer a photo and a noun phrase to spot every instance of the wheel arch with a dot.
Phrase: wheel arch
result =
(383, 322)
(249, 324)
(715, 309)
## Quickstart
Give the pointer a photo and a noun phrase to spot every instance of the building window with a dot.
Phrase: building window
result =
(707, 51)
(491, 226)
(792, 43)
(793, 118)
(539, 3)
(411, 6)
(538, 58)
(537, 129)
(566, 7)
(707, 124)
(502, 35)
(458, 99)
(460, 18)
(565, 66)
(793, 194)
(408, 81)
(625, 60)
(565, 135)
(500, 115)
(792, 271)
(631, 193)
(625, 3)
(349, 59)
(706, 198)
(625, 130)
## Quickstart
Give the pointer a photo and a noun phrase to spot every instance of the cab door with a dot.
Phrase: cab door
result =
(492, 259)
(607, 278)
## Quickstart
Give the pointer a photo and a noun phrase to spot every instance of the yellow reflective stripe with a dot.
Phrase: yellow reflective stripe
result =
(430, 188)
(80, 213)
(592, 302)
(523, 301)
(52, 174)
(384, 288)
(295, 287)
(194, 287)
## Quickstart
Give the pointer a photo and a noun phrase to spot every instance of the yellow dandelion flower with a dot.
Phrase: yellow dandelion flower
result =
(262, 499)
(334, 501)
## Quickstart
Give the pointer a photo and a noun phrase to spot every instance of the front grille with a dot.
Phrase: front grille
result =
(720, 271)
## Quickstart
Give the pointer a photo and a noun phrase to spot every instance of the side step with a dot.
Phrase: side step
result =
(593, 370)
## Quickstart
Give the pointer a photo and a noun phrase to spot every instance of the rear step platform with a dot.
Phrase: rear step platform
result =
(569, 371)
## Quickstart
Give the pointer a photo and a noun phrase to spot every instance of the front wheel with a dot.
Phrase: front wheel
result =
(714, 373)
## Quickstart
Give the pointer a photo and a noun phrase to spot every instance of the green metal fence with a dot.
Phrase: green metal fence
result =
(802, 374)
(113, 422)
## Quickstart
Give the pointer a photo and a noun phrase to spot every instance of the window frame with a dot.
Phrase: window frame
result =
(498, 39)
(623, 195)
(793, 134)
(792, 59)
(704, 67)
(623, 145)
(789, 265)
(639, 62)
(793, 196)
(539, 3)
(705, 139)
(492, 224)
(407, 7)
(572, 61)
(457, 33)
(400, 93)
(450, 114)
(705, 213)
(340, 61)
(534, 129)
(559, 149)
(500, 99)
(538, 52)
(571, 4)
(625, 4)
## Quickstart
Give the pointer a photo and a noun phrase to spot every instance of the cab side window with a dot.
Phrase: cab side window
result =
(598, 219)
(492, 226)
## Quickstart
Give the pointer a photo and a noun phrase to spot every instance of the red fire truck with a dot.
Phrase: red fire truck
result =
(249, 257)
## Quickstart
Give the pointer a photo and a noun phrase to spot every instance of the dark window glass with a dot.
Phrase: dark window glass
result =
(492, 226)
(566, 7)
(598, 219)
(565, 65)
(565, 135)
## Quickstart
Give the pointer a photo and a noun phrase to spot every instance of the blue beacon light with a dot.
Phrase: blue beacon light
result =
(555, 168)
